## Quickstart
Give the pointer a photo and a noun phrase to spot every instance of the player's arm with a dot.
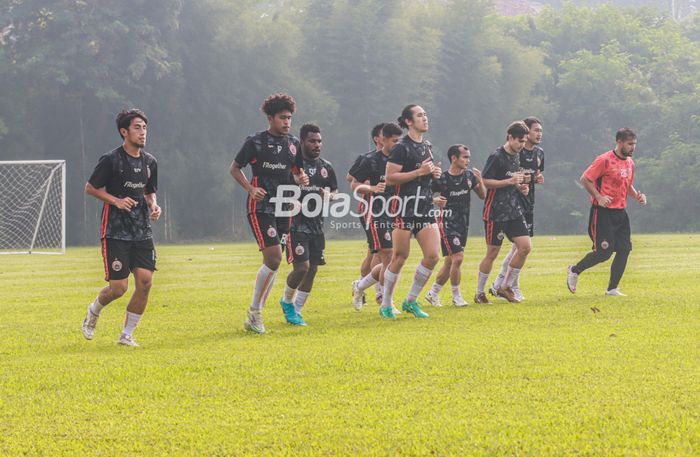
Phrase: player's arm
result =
(640, 197)
(602, 200)
(514, 180)
(394, 175)
(256, 193)
(152, 203)
(126, 203)
(479, 188)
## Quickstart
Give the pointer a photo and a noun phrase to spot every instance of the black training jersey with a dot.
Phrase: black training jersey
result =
(531, 162)
(457, 191)
(505, 203)
(125, 176)
(410, 155)
(272, 159)
(321, 176)
(353, 172)
(373, 169)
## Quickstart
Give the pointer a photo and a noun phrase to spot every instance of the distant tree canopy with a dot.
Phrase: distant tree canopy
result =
(201, 69)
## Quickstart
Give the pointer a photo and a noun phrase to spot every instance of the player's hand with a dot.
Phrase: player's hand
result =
(523, 189)
(126, 204)
(302, 178)
(426, 167)
(155, 212)
(604, 200)
(539, 177)
(477, 175)
(517, 178)
(527, 177)
(440, 201)
(641, 198)
(379, 188)
(437, 171)
(257, 193)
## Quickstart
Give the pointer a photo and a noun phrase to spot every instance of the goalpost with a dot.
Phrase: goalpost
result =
(33, 207)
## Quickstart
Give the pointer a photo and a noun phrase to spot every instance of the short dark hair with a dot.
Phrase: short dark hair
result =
(532, 120)
(391, 129)
(376, 130)
(125, 116)
(517, 129)
(406, 114)
(453, 151)
(278, 102)
(625, 134)
(308, 128)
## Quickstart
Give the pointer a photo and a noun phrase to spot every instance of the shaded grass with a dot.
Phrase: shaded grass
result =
(545, 377)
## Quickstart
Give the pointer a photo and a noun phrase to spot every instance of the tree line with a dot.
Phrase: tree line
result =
(201, 69)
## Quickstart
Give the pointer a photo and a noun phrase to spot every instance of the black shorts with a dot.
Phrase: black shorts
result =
(121, 257)
(530, 222)
(304, 246)
(379, 234)
(609, 229)
(413, 223)
(268, 229)
(496, 231)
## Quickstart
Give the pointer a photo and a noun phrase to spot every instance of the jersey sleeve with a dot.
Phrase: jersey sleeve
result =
(102, 173)
(247, 154)
(398, 154)
(438, 185)
(362, 170)
(491, 168)
(356, 167)
(297, 159)
(332, 180)
(472, 180)
(540, 160)
(597, 168)
(152, 184)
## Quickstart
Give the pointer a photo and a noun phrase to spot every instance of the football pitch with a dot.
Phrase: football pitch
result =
(550, 376)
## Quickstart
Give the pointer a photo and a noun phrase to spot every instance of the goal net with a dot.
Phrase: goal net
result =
(33, 207)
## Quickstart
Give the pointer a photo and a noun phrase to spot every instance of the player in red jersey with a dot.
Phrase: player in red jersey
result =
(609, 181)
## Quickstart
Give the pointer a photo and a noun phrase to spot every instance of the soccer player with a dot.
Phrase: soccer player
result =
(370, 260)
(532, 163)
(454, 188)
(126, 180)
(609, 180)
(411, 169)
(504, 212)
(369, 179)
(306, 243)
(273, 157)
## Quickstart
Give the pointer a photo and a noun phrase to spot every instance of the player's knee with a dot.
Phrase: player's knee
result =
(313, 269)
(603, 254)
(118, 288)
(301, 268)
(456, 259)
(524, 251)
(431, 260)
(144, 284)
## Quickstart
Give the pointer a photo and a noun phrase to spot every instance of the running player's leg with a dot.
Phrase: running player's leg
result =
(504, 269)
(456, 278)
(603, 239)
(428, 238)
(494, 239)
(523, 247)
(143, 280)
(623, 246)
(298, 254)
(400, 251)
(433, 295)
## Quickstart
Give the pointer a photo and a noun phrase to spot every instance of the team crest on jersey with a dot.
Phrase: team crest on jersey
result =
(623, 172)
(299, 250)
(271, 232)
(324, 173)
(604, 244)
(293, 149)
(500, 236)
(455, 241)
(312, 171)
(387, 236)
(116, 265)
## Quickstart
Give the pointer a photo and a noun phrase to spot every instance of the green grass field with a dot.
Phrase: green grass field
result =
(545, 377)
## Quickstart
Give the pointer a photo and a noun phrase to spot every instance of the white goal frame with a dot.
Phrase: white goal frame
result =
(59, 167)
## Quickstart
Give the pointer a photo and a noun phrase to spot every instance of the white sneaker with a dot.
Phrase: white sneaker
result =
(518, 293)
(357, 296)
(395, 309)
(433, 298)
(127, 340)
(459, 301)
(90, 323)
(254, 323)
(571, 280)
(614, 293)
